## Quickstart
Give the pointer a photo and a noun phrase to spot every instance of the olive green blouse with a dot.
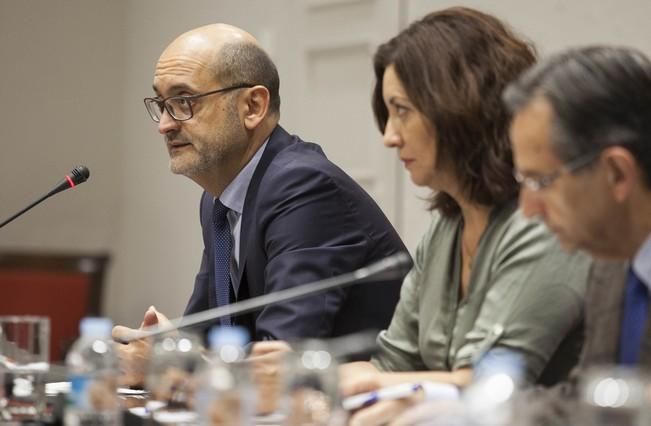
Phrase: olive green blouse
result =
(525, 294)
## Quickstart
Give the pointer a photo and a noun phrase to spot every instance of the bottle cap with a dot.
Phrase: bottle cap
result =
(96, 327)
(228, 335)
(500, 361)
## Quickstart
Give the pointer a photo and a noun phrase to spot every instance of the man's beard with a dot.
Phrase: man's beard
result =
(211, 152)
(200, 157)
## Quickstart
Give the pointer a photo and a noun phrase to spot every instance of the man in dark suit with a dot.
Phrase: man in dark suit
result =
(581, 138)
(275, 212)
(303, 219)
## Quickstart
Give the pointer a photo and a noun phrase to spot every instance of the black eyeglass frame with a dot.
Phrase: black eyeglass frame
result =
(162, 103)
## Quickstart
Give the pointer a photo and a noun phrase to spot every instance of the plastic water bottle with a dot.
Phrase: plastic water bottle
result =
(225, 393)
(92, 369)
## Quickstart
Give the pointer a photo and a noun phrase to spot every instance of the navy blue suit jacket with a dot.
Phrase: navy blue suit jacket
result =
(304, 219)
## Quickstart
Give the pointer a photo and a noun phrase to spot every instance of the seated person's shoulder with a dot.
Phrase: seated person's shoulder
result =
(519, 235)
(301, 170)
(518, 228)
(301, 163)
(529, 243)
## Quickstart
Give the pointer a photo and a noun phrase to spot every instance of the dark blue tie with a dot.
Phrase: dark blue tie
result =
(223, 249)
(636, 308)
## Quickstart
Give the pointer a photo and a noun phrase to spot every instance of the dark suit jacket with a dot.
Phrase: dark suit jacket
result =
(603, 317)
(304, 219)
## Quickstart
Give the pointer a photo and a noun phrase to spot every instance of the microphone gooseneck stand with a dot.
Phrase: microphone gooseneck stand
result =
(391, 267)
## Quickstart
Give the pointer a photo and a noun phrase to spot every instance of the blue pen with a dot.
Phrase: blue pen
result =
(384, 394)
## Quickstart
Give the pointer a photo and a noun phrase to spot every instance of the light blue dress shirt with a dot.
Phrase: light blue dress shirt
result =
(233, 197)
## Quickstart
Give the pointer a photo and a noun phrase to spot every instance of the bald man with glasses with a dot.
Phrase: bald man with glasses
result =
(275, 212)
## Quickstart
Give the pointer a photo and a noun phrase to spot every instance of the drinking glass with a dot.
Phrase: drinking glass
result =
(24, 355)
(311, 395)
(613, 396)
(174, 358)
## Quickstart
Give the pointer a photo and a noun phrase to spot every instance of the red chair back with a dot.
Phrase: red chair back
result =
(63, 287)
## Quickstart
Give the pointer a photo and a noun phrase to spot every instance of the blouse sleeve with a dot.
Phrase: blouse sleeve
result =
(535, 300)
(398, 345)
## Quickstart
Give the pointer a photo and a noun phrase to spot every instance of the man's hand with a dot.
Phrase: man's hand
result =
(134, 355)
(267, 364)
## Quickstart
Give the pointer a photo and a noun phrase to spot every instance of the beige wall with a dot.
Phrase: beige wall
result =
(74, 73)
(62, 81)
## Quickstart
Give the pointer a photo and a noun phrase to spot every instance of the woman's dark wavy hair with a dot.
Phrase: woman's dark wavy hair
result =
(454, 65)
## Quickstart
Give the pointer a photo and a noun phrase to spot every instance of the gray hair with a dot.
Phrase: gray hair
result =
(601, 97)
(237, 63)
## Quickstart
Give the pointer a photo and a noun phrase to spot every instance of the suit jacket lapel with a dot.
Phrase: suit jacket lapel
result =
(278, 141)
(645, 351)
(604, 312)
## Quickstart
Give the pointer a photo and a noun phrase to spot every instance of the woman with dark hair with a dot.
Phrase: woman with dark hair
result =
(484, 277)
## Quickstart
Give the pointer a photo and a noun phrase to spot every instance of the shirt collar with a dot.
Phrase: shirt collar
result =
(642, 263)
(235, 193)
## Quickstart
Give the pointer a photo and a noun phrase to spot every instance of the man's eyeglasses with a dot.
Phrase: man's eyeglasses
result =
(540, 182)
(180, 107)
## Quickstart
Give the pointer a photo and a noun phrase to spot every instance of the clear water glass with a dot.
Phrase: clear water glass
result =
(311, 395)
(613, 396)
(24, 363)
(169, 381)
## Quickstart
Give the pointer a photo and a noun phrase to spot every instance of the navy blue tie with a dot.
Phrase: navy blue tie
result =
(223, 249)
(636, 308)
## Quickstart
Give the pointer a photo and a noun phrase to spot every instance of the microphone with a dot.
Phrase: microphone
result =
(391, 267)
(351, 346)
(78, 175)
(356, 346)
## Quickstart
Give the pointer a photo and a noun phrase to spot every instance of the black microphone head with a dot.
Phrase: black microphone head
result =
(79, 174)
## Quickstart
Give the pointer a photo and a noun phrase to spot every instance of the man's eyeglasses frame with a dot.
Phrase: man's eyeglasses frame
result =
(156, 107)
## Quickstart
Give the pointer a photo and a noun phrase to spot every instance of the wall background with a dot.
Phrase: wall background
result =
(74, 73)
